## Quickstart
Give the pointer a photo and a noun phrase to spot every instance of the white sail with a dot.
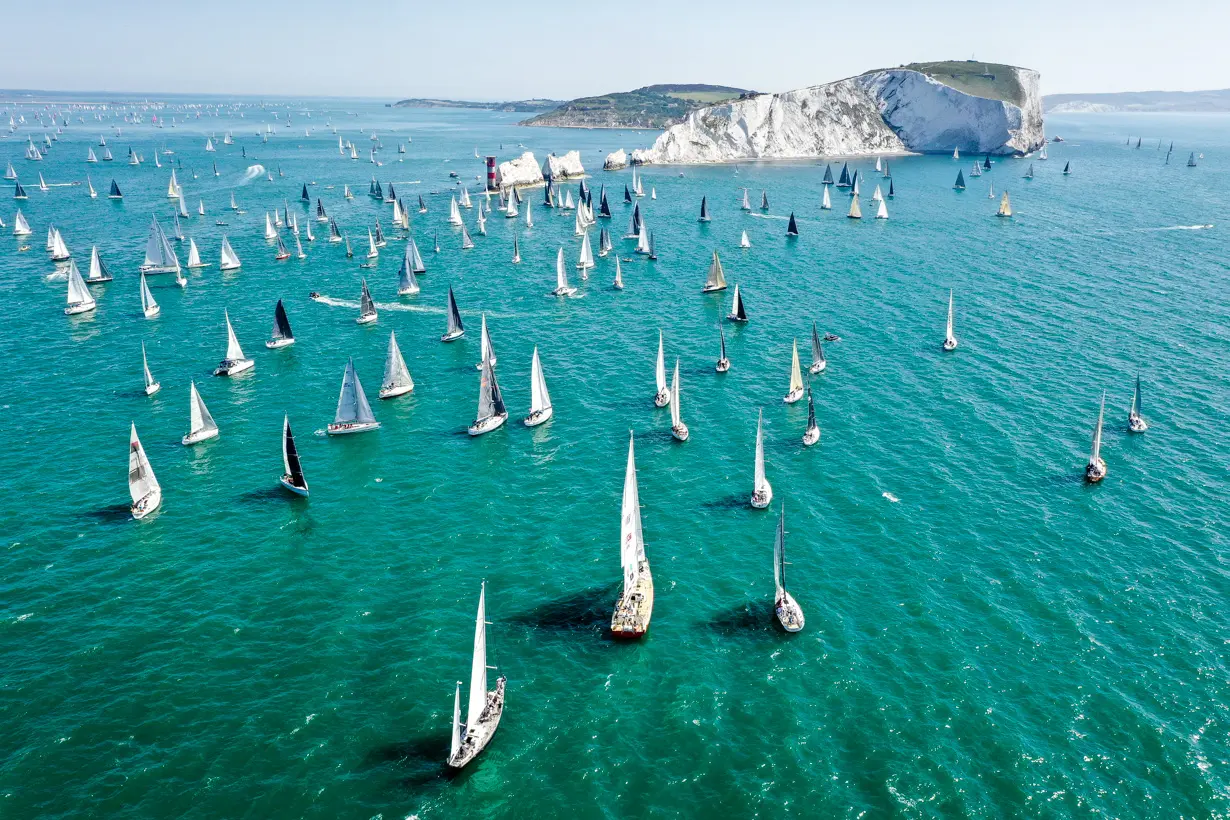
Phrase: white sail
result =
(587, 256)
(1095, 454)
(539, 398)
(230, 261)
(149, 377)
(561, 274)
(234, 352)
(20, 226)
(744, 242)
(486, 350)
(396, 375)
(200, 420)
(478, 666)
(455, 742)
(270, 233)
(659, 372)
(79, 298)
(141, 480)
(454, 215)
(194, 255)
(148, 305)
(826, 203)
(352, 406)
(882, 210)
(59, 249)
(948, 337)
(715, 279)
(529, 215)
(631, 537)
(675, 411)
(796, 375)
(760, 482)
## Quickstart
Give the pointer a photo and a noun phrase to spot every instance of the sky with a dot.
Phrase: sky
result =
(484, 50)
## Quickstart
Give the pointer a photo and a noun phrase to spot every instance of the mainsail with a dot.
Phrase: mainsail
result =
(716, 279)
(141, 480)
(539, 398)
(281, 324)
(352, 406)
(396, 374)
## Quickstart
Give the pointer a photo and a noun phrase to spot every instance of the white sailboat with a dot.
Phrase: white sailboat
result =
(229, 259)
(562, 288)
(812, 434)
(662, 397)
(270, 233)
(194, 255)
(80, 300)
(466, 242)
(397, 381)
(148, 306)
(292, 470)
(454, 215)
(201, 424)
(282, 335)
(89, 184)
(143, 487)
(235, 362)
(744, 242)
(619, 277)
(1136, 422)
(151, 386)
(789, 613)
(950, 341)
(20, 226)
(372, 251)
(678, 429)
(762, 490)
(882, 210)
(634, 608)
(159, 255)
(354, 414)
(529, 214)
(796, 377)
(540, 399)
(818, 362)
(1005, 206)
(367, 308)
(715, 279)
(723, 363)
(407, 284)
(1095, 470)
(491, 411)
(516, 257)
(486, 351)
(586, 260)
(737, 311)
(485, 708)
(826, 204)
(59, 249)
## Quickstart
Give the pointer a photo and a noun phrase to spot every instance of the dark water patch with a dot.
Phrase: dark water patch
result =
(750, 618)
(730, 502)
(266, 494)
(419, 762)
(110, 513)
(589, 609)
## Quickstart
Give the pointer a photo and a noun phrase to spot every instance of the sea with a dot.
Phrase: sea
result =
(986, 634)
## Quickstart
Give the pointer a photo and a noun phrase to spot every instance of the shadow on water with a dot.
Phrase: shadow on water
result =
(420, 762)
(750, 618)
(730, 502)
(266, 494)
(588, 609)
(1064, 479)
(110, 513)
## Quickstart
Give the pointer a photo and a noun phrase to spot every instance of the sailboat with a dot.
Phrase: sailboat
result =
(1067, 167)
(42, 184)
(354, 414)
(229, 260)
(282, 335)
(812, 434)
(744, 242)
(1005, 207)
(159, 255)
(792, 228)
(882, 211)
(586, 260)
(796, 378)
(529, 215)
(618, 284)
(143, 487)
(891, 191)
(991, 191)
(789, 613)
(762, 491)
(397, 381)
(466, 242)
(407, 284)
(540, 399)
(234, 362)
(454, 215)
(151, 386)
(678, 429)
(201, 424)
(148, 306)
(19, 192)
(270, 233)
(80, 300)
(855, 211)
(818, 362)
(737, 311)
(491, 410)
(485, 708)
(299, 254)
(715, 279)
(486, 350)
(826, 204)
(367, 308)
(959, 185)
(662, 397)
(194, 256)
(956, 153)
(416, 259)
(59, 250)
(562, 288)
(704, 209)
(876, 196)
(89, 184)
(372, 251)
(1136, 423)
(1029, 172)
(282, 253)
(747, 205)
(950, 341)
(1095, 470)
(634, 608)
(455, 328)
(20, 226)
(98, 271)
(723, 363)
(115, 191)
(292, 471)
(764, 200)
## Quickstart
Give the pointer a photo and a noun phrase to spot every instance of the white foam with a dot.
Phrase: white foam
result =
(894, 499)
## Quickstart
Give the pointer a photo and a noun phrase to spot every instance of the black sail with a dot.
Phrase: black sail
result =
(281, 324)
(792, 229)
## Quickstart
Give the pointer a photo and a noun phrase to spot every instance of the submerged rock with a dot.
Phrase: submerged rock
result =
(615, 160)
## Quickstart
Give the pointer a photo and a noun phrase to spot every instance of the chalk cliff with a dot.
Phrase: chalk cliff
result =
(566, 167)
(931, 107)
(522, 171)
(616, 160)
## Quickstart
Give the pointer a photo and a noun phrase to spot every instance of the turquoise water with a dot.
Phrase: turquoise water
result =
(985, 634)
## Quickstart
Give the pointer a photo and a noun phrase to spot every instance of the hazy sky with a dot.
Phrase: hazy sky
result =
(478, 49)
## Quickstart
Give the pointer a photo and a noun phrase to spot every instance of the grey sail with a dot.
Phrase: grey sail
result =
(454, 315)
(352, 406)
(416, 259)
(817, 352)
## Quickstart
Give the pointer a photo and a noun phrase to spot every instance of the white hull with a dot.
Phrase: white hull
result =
(950, 345)
(477, 737)
(793, 396)
(1095, 471)
(712, 288)
(156, 270)
(150, 313)
(1137, 425)
(200, 265)
(285, 481)
(761, 500)
(234, 368)
(197, 438)
(153, 388)
(535, 419)
(662, 398)
(394, 392)
(452, 337)
(723, 365)
(351, 427)
(789, 613)
(811, 437)
(563, 291)
(488, 424)
(80, 307)
(680, 431)
(366, 320)
(147, 504)
(274, 344)
(818, 367)
(229, 267)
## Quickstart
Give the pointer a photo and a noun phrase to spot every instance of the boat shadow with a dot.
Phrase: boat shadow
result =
(588, 609)
(419, 762)
(730, 502)
(750, 618)
(110, 513)
(266, 494)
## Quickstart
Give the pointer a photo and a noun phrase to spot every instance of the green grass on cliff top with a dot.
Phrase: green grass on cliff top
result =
(991, 80)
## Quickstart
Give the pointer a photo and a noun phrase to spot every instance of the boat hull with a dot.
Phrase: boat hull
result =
(793, 396)
(487, 425)
(631, 618)
(762, 499)
(478, 736)
(950, 345)
(348, 428)
(227, 368)
(147, 504)
(539, 417)
(366, 320)
(197, 438)
(275, 344)
(712, 288)
(723, 365)
(394, 392)
(680, 431)
(661, 398)
(80, 307)
(817, 367)
(452, 337)
(1095, 471)
(1137, 425)
(563, 291)
(229, 267)
(151, 389)
(788, 612)
(811, 436)
(287, 482)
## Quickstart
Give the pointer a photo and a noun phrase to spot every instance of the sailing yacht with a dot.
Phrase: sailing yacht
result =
(1005, 207)
(516, 257)
(796, 378)
(737, 311)
(270, 233)
(194, 256)
(678, 429)
(1136, 422)
(455, 328)
(1095, 470)
(89, 184)
(282, 335)
(485, 708)
(789, 613)
(354, 414)
(292, 471)
(818, 362)
(148, 306)
(529, 215)
(159, 255)
(486, 350)
(80, 300)
(115, 192)
(235, 362)
(704, 209)
(407, 284)
(19, 192)
(950, 341)
(882, 210)
(20, 226)
(59, 250)
(723, 363)
(466, 242)
(282, 253)
(855, 211)
(959, 185)
(634, 608)
(618, 284)
(562, 288)
(792, 228)
(98, 271)
(491, 410)
(151, 386)
(454, 215)
(397, 381)
(367, 308)
(662, 397)
(143, 487)
(764, 200)
(762, 490)
(715, 279)
(372, 251)
(744, 242)
(812, 434)
(540, 399)
(1067, 166)
(826, 204)
(201, 424)
(229, 260)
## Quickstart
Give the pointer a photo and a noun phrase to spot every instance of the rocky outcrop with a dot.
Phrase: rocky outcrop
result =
(615, 160)
(881, 112)
(566, 167)
(521, 172)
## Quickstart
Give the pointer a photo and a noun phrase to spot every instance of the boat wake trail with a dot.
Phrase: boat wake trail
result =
(346, 303)
(56, 277)
(773, 216)
(1176, 228)
(253, 172)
